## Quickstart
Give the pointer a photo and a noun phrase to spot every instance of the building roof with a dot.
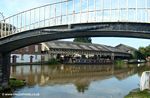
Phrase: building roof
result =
(82, 46)
(125, 48)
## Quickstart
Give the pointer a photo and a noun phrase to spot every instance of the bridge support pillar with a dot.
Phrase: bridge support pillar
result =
(4, 69)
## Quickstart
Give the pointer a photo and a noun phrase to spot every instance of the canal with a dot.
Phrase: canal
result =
(77, 81)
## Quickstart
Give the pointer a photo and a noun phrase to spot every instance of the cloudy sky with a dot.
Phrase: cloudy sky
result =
(10, 7)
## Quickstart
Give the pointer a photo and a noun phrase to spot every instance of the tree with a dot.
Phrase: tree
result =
(138, 55)
(83, 39)
(145, 51)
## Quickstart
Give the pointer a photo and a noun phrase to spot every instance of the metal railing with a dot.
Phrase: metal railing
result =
(71, 12)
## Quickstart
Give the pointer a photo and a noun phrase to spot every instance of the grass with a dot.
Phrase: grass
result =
(13, 84)
(16, 83)
(138, 94)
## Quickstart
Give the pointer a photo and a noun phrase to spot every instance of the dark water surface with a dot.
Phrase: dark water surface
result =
(77, 81)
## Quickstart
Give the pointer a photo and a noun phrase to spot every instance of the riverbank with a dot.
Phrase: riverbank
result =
(12, 85)
(138, 94)
(57, 62)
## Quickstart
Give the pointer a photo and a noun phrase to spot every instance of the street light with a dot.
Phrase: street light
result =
(1, 24)
(2, 15)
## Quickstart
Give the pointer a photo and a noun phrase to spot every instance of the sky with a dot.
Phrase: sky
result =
(10, 7)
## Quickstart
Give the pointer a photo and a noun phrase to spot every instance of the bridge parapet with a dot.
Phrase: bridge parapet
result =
(77, 11)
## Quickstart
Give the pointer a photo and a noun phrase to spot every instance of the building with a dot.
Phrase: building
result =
(30, 53)
(75, 52)
(32, 49)
(70, 52)
(126, 48)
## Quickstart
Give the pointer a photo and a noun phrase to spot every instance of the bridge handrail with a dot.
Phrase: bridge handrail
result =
(60, 13)
(35, 8)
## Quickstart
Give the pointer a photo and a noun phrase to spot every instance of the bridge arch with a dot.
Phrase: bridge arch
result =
(107, 29)
(67, 12)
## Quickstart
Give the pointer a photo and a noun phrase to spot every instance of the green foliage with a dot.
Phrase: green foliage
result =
(1, 88)
(83, 39)
(142, 53)
(119, 62)
(16, 83)
(145, 51)
(138, 55)
(53, 61)
(138, 94)
(13, 84)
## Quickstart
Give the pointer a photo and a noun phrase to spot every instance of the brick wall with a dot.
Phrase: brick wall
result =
(32, 49)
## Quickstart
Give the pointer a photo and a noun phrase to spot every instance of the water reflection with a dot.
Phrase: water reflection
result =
(79, 81)
(43, 75)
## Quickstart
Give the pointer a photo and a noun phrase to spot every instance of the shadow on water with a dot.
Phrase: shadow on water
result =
(78, 80)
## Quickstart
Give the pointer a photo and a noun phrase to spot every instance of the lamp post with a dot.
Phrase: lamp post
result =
(2, 15)
(1, 24)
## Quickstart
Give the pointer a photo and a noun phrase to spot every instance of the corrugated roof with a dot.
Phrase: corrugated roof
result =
(81, 46)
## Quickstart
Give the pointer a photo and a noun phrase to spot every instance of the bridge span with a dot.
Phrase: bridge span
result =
(70, 19)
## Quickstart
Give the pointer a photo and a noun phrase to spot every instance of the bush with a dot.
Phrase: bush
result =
(53, 61)
(119, 63)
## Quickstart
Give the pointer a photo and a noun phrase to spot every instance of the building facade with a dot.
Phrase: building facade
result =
(74, 52)
(30, 53)
(70, 52)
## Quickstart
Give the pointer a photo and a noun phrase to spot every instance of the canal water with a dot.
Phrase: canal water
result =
(77, 81)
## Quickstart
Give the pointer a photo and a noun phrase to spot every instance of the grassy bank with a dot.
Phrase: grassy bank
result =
(139, 94)
(16, 83)
(13, 84)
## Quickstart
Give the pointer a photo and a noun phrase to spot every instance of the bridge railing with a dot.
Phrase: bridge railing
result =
(71, 12)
